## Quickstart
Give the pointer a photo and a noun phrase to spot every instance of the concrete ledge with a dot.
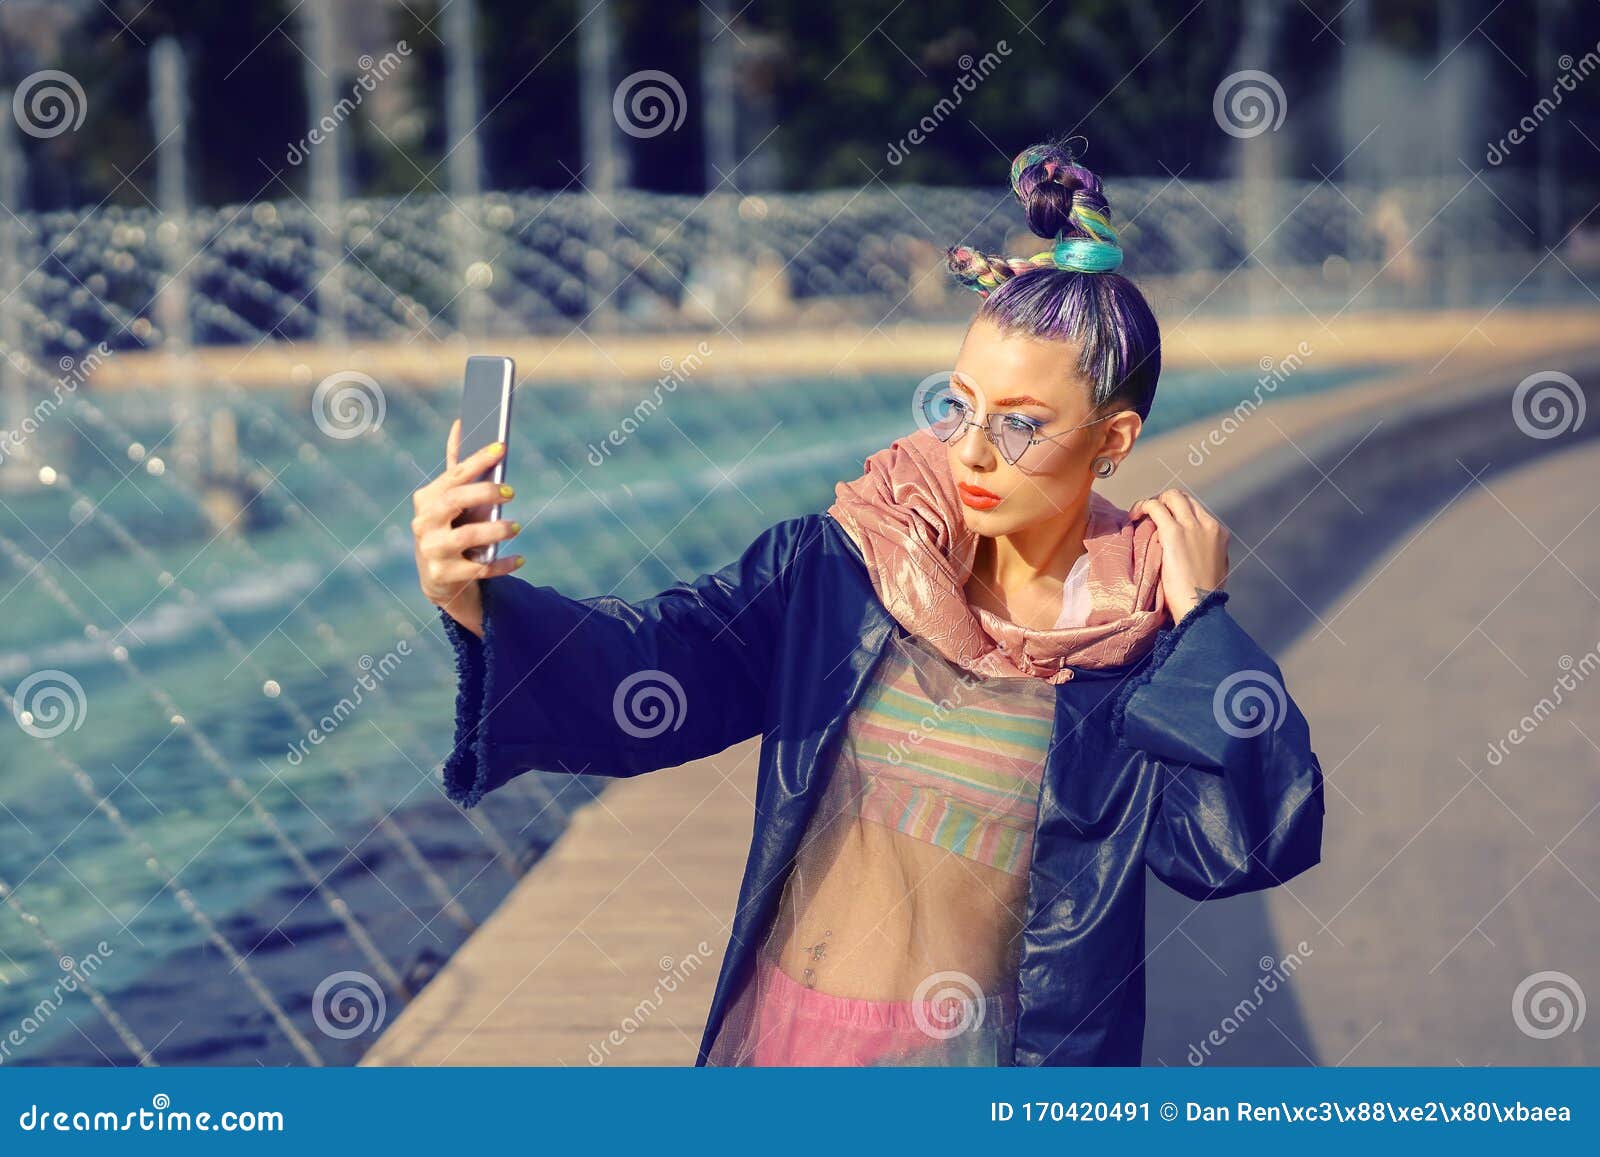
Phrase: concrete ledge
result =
(1457, 339)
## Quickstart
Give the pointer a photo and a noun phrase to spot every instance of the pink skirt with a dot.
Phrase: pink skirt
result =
(797, 1025)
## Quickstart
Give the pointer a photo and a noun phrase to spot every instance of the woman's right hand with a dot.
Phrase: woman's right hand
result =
(448, 578)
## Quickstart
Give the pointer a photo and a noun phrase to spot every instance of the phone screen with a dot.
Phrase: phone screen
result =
(485, 418)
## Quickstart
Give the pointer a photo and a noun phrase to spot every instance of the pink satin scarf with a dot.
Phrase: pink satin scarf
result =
(905, 514)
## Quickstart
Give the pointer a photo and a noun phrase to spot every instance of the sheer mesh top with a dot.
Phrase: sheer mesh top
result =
(898, 933)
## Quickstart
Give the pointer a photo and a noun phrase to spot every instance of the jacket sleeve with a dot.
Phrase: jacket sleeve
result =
(602, 686)
(1240, 800)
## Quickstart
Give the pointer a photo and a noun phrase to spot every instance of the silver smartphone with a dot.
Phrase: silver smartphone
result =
(485, 418)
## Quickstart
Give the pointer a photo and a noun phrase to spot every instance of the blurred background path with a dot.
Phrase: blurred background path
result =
(1460, 862)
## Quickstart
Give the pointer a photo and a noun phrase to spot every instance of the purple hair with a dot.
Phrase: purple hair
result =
(1055, 296)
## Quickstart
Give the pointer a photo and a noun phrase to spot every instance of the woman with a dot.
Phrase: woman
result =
(987, 696)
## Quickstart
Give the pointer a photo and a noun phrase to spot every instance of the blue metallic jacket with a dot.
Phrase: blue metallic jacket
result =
(1151, 764)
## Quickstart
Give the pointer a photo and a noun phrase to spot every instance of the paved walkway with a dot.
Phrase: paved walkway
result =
(1449, 876)
(597, 955)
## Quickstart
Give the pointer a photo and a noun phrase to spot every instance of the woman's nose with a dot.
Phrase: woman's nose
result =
(975, 449)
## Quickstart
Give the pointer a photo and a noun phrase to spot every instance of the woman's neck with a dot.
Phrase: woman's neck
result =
(1020, 576)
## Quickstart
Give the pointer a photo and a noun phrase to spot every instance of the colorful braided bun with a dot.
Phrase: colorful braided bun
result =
(1071, 292)
(1062, 201)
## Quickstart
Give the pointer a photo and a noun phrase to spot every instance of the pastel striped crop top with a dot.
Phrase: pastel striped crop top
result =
(950, 758)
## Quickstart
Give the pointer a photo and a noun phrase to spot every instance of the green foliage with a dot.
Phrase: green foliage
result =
(246, 102)
(835, 89)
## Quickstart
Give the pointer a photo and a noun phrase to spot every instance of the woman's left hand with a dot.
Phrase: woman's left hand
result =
(1194, 547)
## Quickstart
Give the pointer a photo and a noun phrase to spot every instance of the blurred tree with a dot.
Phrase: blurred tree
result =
(842, 82)
(857, 80)
(246, 102)
(528, 68)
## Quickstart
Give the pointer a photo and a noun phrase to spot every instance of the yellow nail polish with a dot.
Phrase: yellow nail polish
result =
(517, 561)
(516, 528)
(506, 491)
(497, 446)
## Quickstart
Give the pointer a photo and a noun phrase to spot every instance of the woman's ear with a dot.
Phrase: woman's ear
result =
(1121, 432)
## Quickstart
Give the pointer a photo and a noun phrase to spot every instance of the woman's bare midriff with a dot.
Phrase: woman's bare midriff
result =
(878, 912)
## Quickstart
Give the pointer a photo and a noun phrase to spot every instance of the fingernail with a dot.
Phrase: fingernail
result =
(516, 528)
(497, 446)
(519, 560)
(506, 491)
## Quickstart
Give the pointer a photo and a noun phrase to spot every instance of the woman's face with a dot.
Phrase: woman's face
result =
(1036, 382)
